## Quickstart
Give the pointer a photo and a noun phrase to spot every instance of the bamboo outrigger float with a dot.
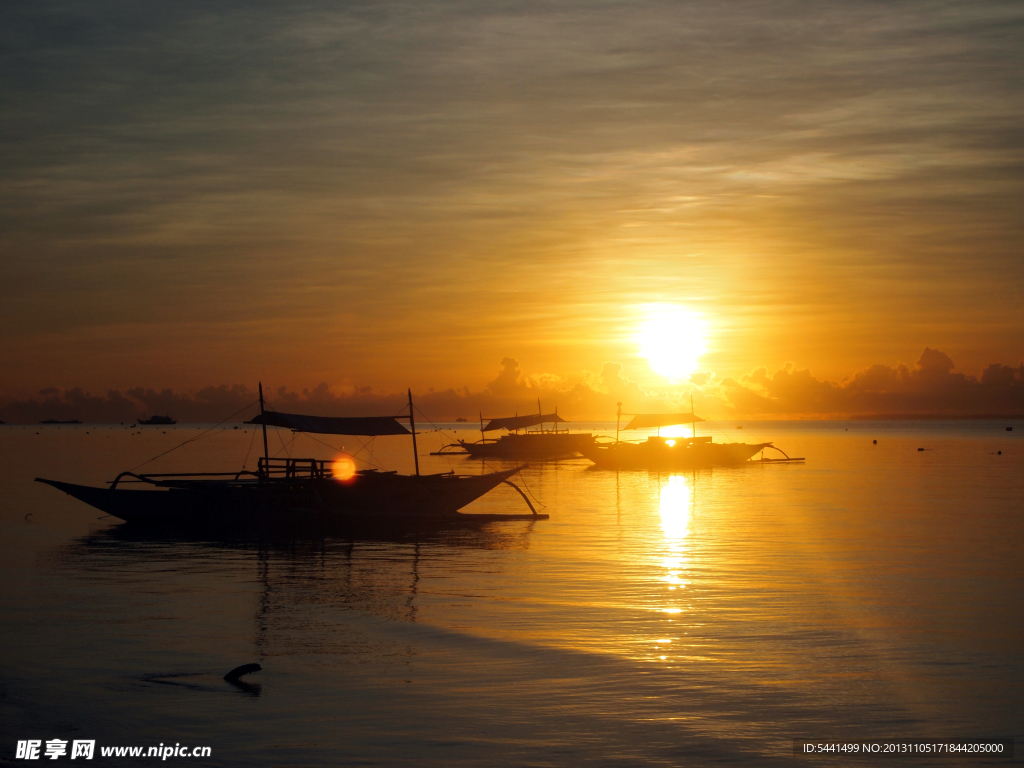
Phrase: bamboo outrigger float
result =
(291, 488)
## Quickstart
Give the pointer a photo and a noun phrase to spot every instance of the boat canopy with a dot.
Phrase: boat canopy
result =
(651, 420)
(522, 422)
(331, 425)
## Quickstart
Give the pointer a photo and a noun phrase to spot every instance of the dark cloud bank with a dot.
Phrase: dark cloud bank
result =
(931, 388)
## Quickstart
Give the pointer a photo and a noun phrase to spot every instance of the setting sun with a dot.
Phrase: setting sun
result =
(672, 339)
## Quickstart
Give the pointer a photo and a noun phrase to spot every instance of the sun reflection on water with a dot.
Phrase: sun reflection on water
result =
(675, 506)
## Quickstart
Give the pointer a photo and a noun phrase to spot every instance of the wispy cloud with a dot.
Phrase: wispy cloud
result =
(503, 173)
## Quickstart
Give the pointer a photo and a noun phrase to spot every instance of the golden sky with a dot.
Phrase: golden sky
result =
(396, 194)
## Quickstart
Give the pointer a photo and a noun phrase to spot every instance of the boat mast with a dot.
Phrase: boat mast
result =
(266, 452)
(412, 426)
(540, 414)
(618, 418)
(693, 424)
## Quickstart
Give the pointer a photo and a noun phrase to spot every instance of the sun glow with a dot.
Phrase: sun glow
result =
(672, 339)
(343, 468)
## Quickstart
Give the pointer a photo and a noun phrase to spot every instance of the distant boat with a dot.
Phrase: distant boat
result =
(671, 453)
(539, 444)
(299, 489)
(460, 420)
(58, 421)
(157, 420)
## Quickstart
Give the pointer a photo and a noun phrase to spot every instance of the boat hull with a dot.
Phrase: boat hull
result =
(659, 455)
(368, 496)
(535, 446)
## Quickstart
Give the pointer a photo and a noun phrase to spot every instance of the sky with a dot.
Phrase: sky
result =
(410, 194)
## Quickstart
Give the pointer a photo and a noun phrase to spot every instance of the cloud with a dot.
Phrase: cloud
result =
(511, 391)
(508, 381)
(932, 387)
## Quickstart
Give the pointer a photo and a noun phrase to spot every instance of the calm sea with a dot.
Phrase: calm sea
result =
(709, 618)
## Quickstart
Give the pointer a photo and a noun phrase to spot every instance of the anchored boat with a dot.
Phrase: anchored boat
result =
(539, 444)
(671, 453)
(152, 420)
(294, 488)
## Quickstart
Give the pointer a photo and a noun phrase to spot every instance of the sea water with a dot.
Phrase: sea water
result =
(700, 618)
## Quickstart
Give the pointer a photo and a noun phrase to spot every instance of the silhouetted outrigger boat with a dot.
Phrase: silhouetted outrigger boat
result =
(672, 453)
(157, 420)
(303, 489)
(540, 444)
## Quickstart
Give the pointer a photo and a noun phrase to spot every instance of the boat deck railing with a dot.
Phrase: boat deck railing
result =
(287, 468)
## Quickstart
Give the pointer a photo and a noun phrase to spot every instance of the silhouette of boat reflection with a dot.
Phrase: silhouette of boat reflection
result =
(294, 534)
(374, 571)
(297, 488)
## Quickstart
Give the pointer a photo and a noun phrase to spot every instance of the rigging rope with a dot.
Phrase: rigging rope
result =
(249, 450)
(523, 479)
(434, 425)
(197, 437)
(284, 445)
(363, 446)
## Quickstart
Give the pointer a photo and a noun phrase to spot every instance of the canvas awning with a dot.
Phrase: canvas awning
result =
(652, 420)
(331, 425)
(522, 422)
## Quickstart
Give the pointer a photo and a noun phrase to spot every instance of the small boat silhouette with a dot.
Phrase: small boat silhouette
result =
(539, 444)
(157, 420)
(671, 453)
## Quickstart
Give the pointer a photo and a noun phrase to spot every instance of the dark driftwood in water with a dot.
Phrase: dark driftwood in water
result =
(237, 672)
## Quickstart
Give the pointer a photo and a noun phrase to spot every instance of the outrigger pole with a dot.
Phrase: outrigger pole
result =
(266, 451)
(412, 426)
